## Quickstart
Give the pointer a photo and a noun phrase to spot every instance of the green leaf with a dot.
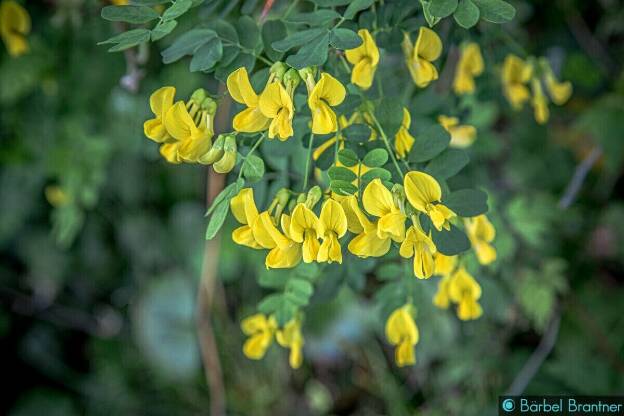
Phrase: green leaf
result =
(375, 173)
(207, 56)
(495, 11)
(389, 114)
(162, 29)
(448, 164)
(129, 14)
(313, 53)
(226, 31)
(270, 304)
(431, 19)
(343, 187)
(348, 157)
(355, 6)
(467, 202)
(220, 207)
(442, 8)
(342, 174)
(187, 44)
(253, 169)
(376, 158)
(317, 18)
(298, 291)
(272, 30)
(127, 39)
(298, 39)
(242, 59)
(450, 242)
(359, 133)
(248, 32)
(467, 14)
(341, 38)
(177, 9)
(429, 144)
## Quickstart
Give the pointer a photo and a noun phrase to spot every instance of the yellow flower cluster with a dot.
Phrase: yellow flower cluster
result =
(470, 65)
(14, 27)
(262, 329)
(518, 74)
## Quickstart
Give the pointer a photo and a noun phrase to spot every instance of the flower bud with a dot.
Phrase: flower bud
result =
(198, 96)
(314, 195)
(209, 106)
(228, 160)
(215, 153)
(291, 79)
(279, 69)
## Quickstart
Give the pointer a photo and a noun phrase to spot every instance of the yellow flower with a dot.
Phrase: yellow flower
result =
(540, 102)
(403, 140)
(465, 291)
(379, 202)
(516, 73)
(284, 252)
(56, 196)
(365, 58)
(442, 298)
(419, 58)
(276, 104)
(559, 92)
(367, 243)
(417, 244)
(290, 337)
(193, 134)
(469, 66)
(305, 228)
(401, 331)
(481, 233)
(251, 119)
(161, 101)
(444, 265)
(461, 135)
(353, 223)
(344, 123)
(333, 225)
(327, 93)
(424, 193)
(260, 330)
(14, 26)
(245, 211)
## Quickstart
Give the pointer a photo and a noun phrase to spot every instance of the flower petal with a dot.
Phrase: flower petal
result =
(421, 189)
(240, 88)
(428, 45)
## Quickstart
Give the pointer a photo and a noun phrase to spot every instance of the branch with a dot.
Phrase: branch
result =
(574, 186)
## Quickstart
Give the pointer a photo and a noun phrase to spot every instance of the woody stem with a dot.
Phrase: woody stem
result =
(307, 166)
(387, 143)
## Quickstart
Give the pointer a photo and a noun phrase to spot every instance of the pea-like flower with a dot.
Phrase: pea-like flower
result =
(365, 59)
(419, 245)
(402, 332)
(194, 133)
(462, 135)
(481, 233)
(285, 252)
(379, 202)
(444, 265)
(276, 105)
(419, 58)
(327, 93)
(464, 290)
(424, 194)
(260, 329)
(470, 65)
(14, 27)
(442, 299)
(160, 102)
(251, 119)
(367, 243)
(403, 140)
(245, 211)
(305, 228)
(559, 92)
(290, 337)
(333, 225)
(516, 74)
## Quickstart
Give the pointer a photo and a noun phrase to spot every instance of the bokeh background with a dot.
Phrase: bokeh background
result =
(101, 241)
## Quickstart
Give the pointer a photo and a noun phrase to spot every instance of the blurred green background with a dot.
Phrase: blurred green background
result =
(98, 292)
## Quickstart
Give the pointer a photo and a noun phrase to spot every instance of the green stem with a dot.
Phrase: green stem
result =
(307, 166)
(387, 143)
(290, 8)
(253, 149)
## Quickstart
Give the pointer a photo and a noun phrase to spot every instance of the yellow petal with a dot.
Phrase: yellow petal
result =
(377, 199)
(240, 88)
(261, 234)
(244, 237)
(284, 258)
(161, 101)
(178, 122)
(329, 89)
(559, 92)
(441, 298)
(392, 225)
(255, 347)
(369, 245)
(303, 218)
(486, 254)
(323, 119)
(254, 323)
(333, 218)
(330, 250)
(463, 284)
(404, 354)
(423, 262)
(469, 309)
(281, 126)
(444, 265)
(400, 326)
(14, 26)
(273, 99)
(367, 50)
(243, 206)
(170, 152)
(250, 120)
(155, 130)
(428, 45)
(363, 73)
(353, 222)
(421, 189)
